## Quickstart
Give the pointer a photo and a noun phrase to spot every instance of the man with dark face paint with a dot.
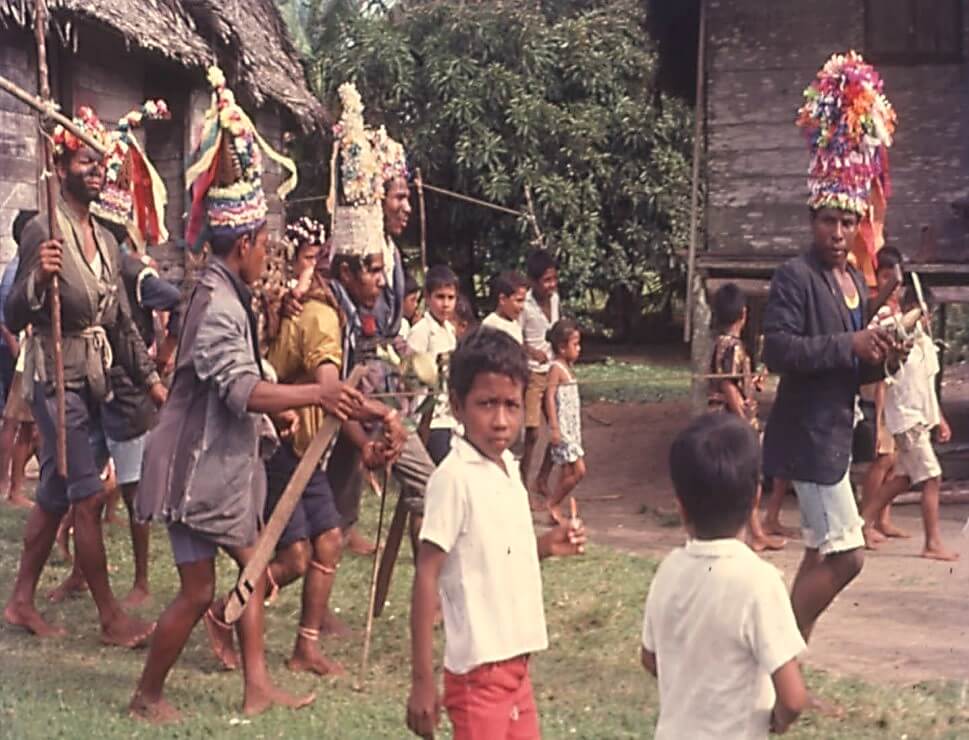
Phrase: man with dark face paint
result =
(97, 325)
(816, 336)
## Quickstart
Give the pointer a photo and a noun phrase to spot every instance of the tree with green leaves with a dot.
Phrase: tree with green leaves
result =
(556, 97)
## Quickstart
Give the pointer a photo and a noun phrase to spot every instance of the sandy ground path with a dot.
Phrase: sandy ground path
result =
(904, 620)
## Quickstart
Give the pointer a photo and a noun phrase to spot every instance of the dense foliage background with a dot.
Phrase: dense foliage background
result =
(493, 97)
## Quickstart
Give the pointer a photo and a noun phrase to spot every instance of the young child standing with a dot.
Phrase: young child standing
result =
(719, 632)
(911, 413)
(478, 549)
(563, 409)
(434, 334)
(410, 310)
(509, 289)
(734, 394)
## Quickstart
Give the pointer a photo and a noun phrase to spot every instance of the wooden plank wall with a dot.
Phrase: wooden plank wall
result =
(19, 167)
(760, 58)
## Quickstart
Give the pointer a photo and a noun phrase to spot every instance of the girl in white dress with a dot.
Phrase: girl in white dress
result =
(563, 408)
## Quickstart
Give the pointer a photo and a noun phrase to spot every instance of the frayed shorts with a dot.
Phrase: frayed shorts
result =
(830, 522)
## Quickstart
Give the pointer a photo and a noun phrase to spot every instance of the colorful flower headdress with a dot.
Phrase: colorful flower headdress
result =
(303, 230)
(226, 176)
(391, 155)
(88, 122)
(134, 194)
(849, 124)
(357, 183)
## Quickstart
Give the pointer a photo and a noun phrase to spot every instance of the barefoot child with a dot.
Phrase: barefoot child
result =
(911, 414)
(434, 334)
(563, 407)
(734, 394)
(478, 530)
(719, 632)
(509, 289)
(203, 472)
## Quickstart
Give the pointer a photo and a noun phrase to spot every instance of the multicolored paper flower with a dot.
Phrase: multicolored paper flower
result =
(87, 121)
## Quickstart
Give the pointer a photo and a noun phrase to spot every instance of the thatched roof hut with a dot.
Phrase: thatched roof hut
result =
(112, 54)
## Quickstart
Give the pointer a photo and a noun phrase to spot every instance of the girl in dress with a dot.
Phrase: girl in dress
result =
(562, 406)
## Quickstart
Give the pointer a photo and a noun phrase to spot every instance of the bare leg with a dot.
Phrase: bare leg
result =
(73, 585)
(934, 549)
(139, 593)
(572, 475)
(260, 693)
(544, 471)
(877, 501)
(758, 539)
(39, 534)
(818, 580)
(772, 520)
(112, 496)
(358, 544)
(317, 587)
(887, 527)
(23, 448)
(117, 628)
(174, 628)
(525, 464)
(290, 563)
(8, 436)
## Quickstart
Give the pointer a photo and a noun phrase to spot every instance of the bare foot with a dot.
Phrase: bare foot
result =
(26, 616)
(333, 626)
(311, 660)
(221, 641)
(872, 537)
(259, 700)
(937, 552)
(824, 707)
(73, 585)
(19, 501)
(127, 631)
(360, 545)
(774, 527)
(137, 596)
(154, 712)
(767, 542)
(890, 530)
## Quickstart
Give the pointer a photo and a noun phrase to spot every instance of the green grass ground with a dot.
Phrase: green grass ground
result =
(621, 382)
(589, 683)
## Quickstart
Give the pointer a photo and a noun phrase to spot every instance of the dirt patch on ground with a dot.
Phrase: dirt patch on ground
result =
(905, 619)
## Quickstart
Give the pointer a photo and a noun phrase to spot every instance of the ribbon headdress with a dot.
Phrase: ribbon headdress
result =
(850, 124)
(134, 194)
(226, 175)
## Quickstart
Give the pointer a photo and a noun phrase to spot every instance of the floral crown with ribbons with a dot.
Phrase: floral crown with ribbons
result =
(134, 194)
(304, 230)
(226, 175)
(87, 121)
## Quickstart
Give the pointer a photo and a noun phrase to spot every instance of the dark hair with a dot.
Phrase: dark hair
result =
(486, 350)
(715, 467)
(411, 285)
(538, 261)
(20, 221)
(560, 333)
(354, 261)
(222, 242)
(910, 298)
(888, 258)
(440, 276)
(464, 311)
(507, 283)
(728, 305)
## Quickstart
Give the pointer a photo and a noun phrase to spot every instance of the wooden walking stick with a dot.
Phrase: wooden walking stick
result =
(43, 85)
(245, 587)
(368, 633)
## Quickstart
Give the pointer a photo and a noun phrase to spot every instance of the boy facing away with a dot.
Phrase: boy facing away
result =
(478, 549)
(719, 632)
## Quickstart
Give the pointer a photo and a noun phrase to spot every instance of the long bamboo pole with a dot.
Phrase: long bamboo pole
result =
(695, 189)
(43, 88)
(419, 183)
(48, 109)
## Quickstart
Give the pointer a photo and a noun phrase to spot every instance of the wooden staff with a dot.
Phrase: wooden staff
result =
(43, 85)
(368, 633)
(48, 109)
(419, 182)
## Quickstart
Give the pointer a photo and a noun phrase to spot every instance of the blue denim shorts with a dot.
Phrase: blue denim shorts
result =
(830, 522)
(126, 455)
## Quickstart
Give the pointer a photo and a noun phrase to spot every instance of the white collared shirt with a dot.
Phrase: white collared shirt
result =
(910, 397)
(511, 328)
(430, 336)
(720, 622)
(491, 584)
(535, 326)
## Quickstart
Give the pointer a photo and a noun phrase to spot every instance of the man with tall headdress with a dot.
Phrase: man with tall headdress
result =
(814, 328)
(203, 472)
(97, 327)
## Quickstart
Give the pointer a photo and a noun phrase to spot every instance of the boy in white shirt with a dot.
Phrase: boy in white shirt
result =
(509, 289)
(478, 549)
(911, 413)
(434, 334)
(719, 632)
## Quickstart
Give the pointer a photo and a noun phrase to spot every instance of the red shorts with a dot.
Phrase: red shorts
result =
(492, 702)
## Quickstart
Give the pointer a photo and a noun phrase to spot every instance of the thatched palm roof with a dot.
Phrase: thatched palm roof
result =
(250, 38)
